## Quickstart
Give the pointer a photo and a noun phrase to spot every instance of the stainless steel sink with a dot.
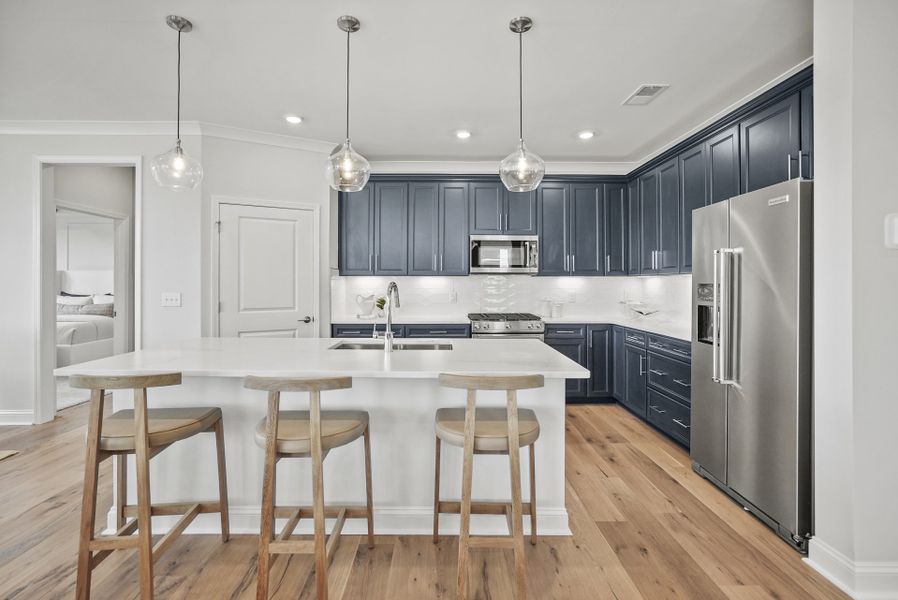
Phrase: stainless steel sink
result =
(396, 346)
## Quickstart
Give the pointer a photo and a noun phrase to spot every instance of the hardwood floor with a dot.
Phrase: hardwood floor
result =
(645, 526)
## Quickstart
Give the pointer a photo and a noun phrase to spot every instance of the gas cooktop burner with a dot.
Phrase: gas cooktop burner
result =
(503, 317)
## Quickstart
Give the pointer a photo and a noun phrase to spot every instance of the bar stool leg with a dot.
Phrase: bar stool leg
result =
(532, 494)
(144, 510)
(218, 429)
(266, 524)
(436, 493)
(121, 489)
(368, 492)
(467, 472)
(517, 525)
(318, 494)
(89, 498)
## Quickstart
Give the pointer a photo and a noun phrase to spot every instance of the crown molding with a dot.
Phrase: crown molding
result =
(238, 134)
(491, 167)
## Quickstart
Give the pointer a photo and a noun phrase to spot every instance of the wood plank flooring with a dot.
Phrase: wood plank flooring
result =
(645, 526)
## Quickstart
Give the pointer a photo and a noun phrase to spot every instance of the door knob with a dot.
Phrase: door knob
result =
(307, 320)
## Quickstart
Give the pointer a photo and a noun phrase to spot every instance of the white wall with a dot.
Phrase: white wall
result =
(102, 187)
(856, 279)
(84, 244)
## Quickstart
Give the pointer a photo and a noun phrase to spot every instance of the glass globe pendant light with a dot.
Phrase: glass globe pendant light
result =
(347, 170)
(522, 170)
(175, 169)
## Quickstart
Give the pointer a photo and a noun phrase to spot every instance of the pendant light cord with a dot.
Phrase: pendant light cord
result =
(347, 85)
(178, 126)
(521, 85)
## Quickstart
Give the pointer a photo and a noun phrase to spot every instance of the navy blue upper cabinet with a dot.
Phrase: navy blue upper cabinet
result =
(554, 228)
(668, 257)
(693, 194)
(722, 164)
(496, 211)
(771, 143)
(423, 222)
(487, 202)
(807, 132)
(648, 222)
(587, 248)
(615, 228)
(520, 213)
(357, 232)
(390, 228)
(634, 229)
(453, 229)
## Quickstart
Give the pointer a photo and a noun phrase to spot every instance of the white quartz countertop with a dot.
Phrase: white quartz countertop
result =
(238, 357)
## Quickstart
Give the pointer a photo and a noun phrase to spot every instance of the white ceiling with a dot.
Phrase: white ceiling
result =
(420, 69)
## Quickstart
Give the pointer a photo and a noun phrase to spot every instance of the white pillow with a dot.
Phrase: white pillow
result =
(75, 300)
(104, 299)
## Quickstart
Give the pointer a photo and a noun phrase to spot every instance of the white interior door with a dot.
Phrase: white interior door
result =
(268, 272)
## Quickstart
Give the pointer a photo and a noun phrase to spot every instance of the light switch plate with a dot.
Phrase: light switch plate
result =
(891, 231)
(171, 299)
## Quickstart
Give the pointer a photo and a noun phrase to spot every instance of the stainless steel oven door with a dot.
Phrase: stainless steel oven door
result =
(532, 336)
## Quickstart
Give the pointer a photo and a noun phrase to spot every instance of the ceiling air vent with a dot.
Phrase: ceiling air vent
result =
(646, 93)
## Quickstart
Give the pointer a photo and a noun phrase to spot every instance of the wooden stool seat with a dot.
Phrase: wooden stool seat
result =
(164, 426)
(490, 428)
(338, 428)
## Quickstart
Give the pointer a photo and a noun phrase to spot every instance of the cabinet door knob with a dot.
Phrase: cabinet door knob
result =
(309, 320)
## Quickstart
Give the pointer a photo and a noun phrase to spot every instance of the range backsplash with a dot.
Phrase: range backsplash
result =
(454, 297)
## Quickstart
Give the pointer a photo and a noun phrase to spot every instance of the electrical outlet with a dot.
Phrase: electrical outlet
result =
(171, 299)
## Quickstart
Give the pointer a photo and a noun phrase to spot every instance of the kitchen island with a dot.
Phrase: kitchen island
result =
(401, 393)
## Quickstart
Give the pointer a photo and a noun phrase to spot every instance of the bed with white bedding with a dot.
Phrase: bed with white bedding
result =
(84, 316)
(80, 338)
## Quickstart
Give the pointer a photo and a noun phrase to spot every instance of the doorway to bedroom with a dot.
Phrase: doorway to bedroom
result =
(94, 272)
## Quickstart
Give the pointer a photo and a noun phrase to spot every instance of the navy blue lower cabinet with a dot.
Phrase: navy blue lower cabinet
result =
(599, 361)
(669, 415)
(634, 364)
(437, 331)
(364, 330)
(570, 340)
(619, 368)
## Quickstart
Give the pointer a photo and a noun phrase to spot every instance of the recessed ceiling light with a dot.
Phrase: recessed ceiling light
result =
(293, 119)
(462, 134)
(586, 135)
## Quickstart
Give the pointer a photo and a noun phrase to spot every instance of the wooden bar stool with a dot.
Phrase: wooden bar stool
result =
(489, 431)
(306, 434)
(145, 433)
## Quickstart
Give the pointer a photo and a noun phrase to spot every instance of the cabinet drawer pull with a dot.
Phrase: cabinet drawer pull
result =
(634, 339)
(683, 383)
(681, 423)
(354, 331)
(658, 373)
(565, 331)
(657, 410)
(438, 331)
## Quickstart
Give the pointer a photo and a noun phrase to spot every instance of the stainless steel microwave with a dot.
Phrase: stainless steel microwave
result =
(505, 254)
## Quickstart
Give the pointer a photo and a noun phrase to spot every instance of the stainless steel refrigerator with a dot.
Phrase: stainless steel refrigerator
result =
(751, 352)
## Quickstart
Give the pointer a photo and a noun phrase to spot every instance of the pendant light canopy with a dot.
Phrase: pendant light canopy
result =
(175, 169)
(522, 170)
(347, 170)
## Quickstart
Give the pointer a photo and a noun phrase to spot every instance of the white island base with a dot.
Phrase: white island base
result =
(400, 393)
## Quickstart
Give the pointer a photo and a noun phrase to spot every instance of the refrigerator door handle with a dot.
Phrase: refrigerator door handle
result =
(715, 320)
(726, 313)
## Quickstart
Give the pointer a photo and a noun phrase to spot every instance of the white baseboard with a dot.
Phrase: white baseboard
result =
(16, 417)
(401, 520)
(862, 580)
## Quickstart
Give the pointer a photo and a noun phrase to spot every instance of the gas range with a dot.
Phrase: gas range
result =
(506, 325)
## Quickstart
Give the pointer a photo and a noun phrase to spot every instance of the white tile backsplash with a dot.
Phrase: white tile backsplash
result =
(452, 298)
